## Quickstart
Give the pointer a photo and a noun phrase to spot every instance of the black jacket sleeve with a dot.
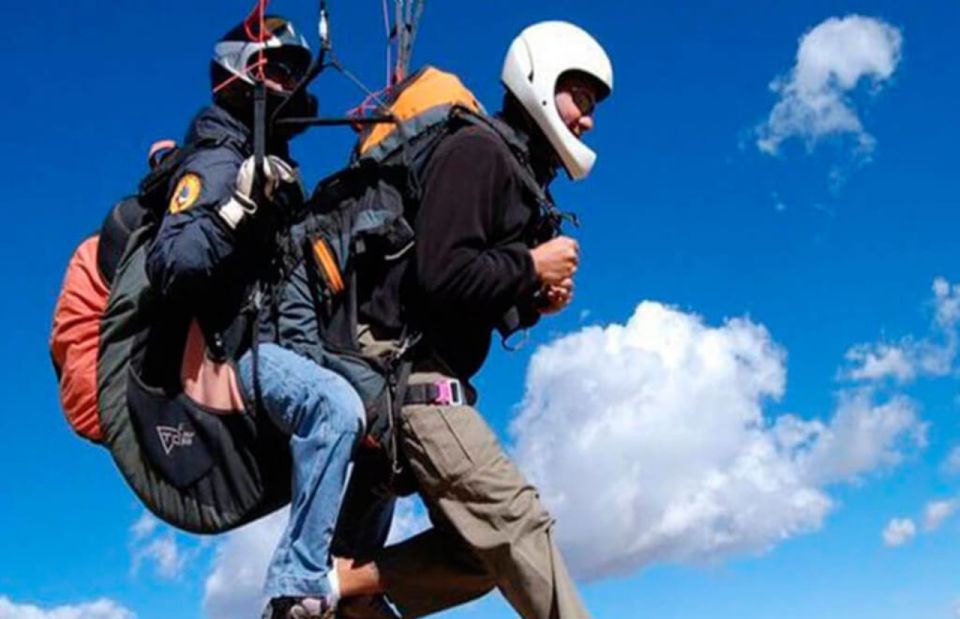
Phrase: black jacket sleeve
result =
(471, 256)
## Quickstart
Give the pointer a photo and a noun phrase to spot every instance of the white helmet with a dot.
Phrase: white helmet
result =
(536, 60)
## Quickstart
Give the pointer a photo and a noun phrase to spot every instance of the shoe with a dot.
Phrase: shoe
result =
(366, 607)
(299, 608)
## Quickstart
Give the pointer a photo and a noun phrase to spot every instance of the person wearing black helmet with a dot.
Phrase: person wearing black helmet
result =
(214, 243)
(213, 212)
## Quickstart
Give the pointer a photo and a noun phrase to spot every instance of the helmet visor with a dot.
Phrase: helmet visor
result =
(286, 67)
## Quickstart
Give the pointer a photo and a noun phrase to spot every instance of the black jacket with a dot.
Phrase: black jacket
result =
(474, 230)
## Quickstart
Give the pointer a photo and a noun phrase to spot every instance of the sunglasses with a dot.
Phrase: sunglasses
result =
(584, 98)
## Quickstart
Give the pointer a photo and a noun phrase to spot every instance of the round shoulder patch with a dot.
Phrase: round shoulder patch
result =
(186, 193)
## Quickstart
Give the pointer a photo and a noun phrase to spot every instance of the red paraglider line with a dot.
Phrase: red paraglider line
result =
(256, 16)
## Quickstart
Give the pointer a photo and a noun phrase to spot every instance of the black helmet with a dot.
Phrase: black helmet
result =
(236, 67)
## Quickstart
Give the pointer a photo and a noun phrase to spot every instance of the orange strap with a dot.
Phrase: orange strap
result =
(328, 265)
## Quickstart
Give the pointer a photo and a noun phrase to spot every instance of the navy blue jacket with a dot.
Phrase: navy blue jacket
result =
(197, 261)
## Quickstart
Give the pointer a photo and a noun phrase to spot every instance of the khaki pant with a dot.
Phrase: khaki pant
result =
(490, 529)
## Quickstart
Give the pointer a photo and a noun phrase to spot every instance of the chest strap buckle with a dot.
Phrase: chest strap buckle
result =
(449, 392)
(444, 392)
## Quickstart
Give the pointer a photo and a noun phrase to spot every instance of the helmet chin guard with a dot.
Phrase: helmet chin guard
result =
(535, 62)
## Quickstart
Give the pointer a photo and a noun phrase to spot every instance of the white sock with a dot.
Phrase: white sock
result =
(334, 581)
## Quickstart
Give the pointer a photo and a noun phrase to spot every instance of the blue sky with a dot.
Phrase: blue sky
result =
(829, 249)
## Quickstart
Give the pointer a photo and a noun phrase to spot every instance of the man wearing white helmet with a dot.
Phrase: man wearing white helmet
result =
(556, 71)
(482, 256)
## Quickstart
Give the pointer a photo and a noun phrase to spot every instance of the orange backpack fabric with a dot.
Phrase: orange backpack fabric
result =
(75, 339)
(413, 103)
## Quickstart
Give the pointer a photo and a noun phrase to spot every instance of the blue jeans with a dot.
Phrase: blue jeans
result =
(324, 417)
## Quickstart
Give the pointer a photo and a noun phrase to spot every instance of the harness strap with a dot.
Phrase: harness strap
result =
(399, 383)
(446, 392)
(255, 350)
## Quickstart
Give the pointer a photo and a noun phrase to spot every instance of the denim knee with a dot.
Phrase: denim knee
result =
(300, 395)
(343, 407)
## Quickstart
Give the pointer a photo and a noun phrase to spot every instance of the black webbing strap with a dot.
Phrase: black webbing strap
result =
(421, 394)
(259, 156)
(400, 385)
(430, 393)
(259, 128)
(255, 350)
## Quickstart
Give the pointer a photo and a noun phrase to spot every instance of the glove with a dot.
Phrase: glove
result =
(276, 172)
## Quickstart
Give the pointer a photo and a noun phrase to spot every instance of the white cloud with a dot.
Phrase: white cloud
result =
(937, 512)
(166, 556)
(832, 60)
(898, 532)
(152, 546)
(233, 589)
(947, 299)
(861, 436)
(909, 358)
(648, 442)
(951, 466)
(144, 526)
(99, 609)
(880, 360)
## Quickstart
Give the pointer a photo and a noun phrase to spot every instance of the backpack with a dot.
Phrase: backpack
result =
(142, 386)
(75, 336)
(358, 229)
